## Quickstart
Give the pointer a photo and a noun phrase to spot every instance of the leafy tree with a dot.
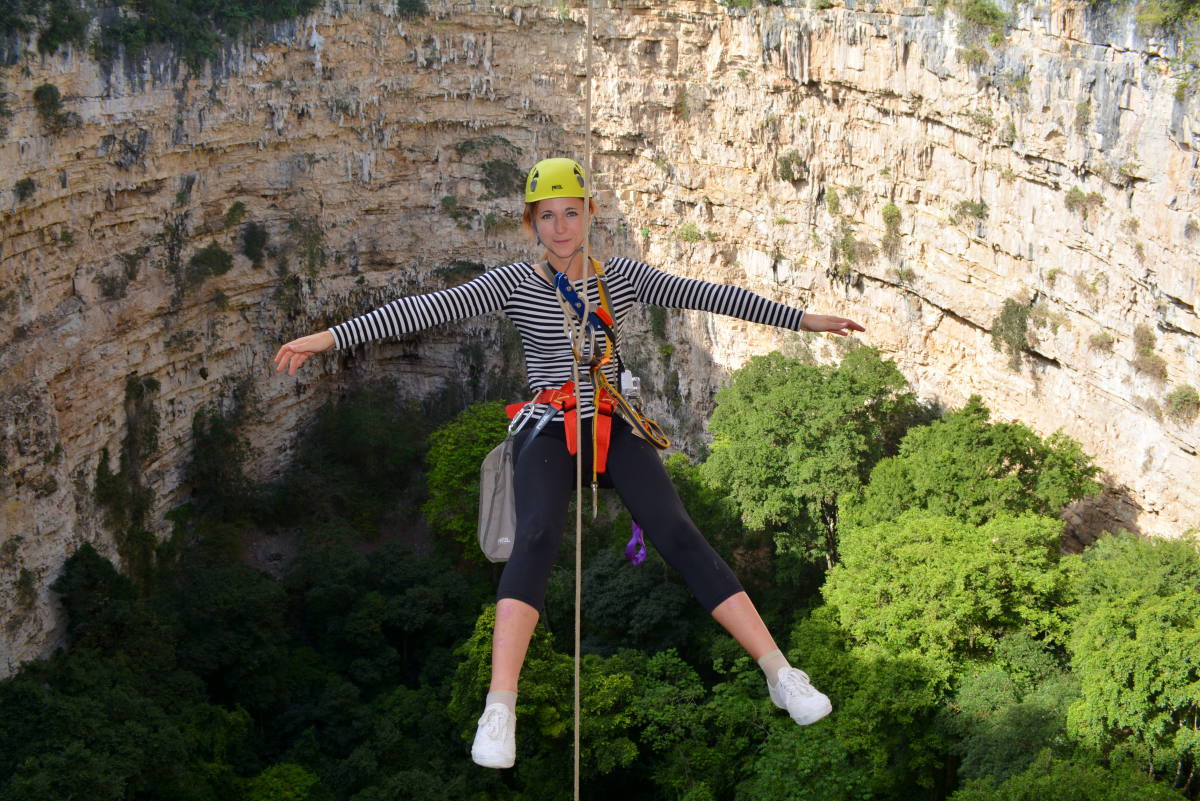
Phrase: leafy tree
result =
(543, 706)
(678, 753)
(357, 465)
(1064, 780)
(967, 467)
(790, 438)
(884, 706)
(944, 590)
(281, 782)
(803, 764)
(748, 552)
(410, 749)
(1135, 647)
(232, 634)
(455, 453)
(90, 734)
(1010, 710)
(646, 607)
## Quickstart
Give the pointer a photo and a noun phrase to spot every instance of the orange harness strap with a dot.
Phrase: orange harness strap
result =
(563, 399)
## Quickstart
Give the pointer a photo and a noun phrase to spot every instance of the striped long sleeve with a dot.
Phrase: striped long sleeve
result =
(663, 289)
(486, 293)
(530, 303)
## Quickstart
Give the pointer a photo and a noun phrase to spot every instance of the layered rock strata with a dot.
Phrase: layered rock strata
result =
(882, 161)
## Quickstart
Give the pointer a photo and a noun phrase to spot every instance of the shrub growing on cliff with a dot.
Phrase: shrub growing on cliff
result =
(1145, 360)
(976, 209)
(891, 226)
(1102, 341)
(502, 178)
(1182, 404)
(1010, 330)
(212, 260)
(254, 242)
(309, 241)
(792, 167)
(851, 250)
(114, 286)
(48, 102)
(688, 232)
(460, 214)
(973, 55)
(235, 214)
(1082, 202)
(24, 189)
(833, 203)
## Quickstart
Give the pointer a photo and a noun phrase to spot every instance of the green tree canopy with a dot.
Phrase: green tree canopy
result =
(1135, 647)
(280, 782)
(455, 453)
(790, 438)
(967, 467)
(883, 711)
(360, 462)
(1009, 710)
(945, 590)
(1074, 780)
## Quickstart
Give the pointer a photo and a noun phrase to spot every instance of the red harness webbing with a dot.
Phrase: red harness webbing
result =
(563, 398)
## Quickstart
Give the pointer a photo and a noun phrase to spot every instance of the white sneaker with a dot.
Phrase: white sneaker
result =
(794, 692)
(496, 738)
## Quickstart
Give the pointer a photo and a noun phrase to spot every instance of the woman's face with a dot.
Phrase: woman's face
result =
(559, 223)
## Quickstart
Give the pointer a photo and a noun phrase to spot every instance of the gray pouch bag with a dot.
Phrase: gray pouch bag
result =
(498, 502)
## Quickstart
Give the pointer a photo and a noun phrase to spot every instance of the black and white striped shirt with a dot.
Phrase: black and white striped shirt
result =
(522, 293)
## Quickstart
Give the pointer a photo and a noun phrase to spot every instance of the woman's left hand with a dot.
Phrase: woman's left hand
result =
(829, 324)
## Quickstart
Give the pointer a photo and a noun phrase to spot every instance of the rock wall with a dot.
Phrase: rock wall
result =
(1055, 173)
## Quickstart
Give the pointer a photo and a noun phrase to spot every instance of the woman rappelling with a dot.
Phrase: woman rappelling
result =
(616, 440)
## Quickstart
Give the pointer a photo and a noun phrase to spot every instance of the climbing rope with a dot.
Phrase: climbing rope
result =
(583, 323)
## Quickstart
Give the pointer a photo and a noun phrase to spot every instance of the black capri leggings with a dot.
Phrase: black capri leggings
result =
(545, 480)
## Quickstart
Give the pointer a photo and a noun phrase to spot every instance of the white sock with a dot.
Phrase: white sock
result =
(506, 697)
(771, 664)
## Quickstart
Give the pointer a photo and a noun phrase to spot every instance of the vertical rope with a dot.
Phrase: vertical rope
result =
(587, 266)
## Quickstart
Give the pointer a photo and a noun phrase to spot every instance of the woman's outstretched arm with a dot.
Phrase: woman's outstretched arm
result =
(486, 293)
(673, 291)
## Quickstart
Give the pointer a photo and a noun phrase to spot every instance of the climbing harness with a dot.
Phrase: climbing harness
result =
(606, 398)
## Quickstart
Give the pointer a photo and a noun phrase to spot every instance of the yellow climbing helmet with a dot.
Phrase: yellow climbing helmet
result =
(556, 178)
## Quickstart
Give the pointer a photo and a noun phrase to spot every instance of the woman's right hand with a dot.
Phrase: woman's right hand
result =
(296, 352)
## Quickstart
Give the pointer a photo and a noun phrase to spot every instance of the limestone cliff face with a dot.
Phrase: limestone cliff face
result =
(1053, 176)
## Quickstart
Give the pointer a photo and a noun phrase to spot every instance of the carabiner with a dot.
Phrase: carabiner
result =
(521, 418)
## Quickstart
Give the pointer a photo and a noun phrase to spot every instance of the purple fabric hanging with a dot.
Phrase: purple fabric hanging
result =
(635, 549)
